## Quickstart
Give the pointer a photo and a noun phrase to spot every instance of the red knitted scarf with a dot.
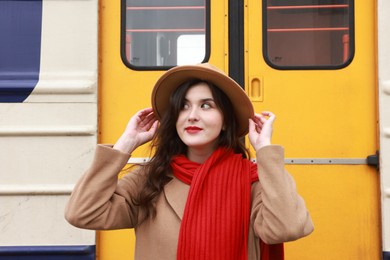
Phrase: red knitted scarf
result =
(215, 223)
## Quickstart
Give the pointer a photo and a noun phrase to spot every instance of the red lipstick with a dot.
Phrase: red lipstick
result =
(193, 129)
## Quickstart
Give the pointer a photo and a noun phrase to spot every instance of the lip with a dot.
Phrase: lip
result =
(193, 129)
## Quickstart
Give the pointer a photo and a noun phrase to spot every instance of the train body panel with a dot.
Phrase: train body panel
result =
(384, 119)
(48, 127)
(321, 66)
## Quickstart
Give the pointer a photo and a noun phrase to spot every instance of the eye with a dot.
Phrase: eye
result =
(206, 105)
(185, 106)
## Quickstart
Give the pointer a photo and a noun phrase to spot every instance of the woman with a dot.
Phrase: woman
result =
(199, 197)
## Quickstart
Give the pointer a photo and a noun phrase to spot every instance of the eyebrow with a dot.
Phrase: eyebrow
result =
(207, 99)
(203, 99)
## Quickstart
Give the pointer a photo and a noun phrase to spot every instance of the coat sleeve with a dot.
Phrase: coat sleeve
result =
(99, 200)
(278, 213)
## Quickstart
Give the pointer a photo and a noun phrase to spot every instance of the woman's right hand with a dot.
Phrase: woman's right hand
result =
(139, 130)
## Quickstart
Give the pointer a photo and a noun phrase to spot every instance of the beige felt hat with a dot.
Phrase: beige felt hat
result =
(176, 76)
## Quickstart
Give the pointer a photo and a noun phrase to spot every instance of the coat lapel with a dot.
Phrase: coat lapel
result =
(176, 193)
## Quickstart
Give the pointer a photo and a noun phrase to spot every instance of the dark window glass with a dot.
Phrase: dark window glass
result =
(308, 33)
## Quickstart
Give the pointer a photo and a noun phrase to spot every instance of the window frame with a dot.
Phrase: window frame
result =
(157, 68)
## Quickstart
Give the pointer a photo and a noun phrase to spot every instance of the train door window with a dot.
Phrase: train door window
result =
(159, 34)
(308, 34)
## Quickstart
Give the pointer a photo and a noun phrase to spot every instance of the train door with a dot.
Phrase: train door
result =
(154, 36)
(313, 64)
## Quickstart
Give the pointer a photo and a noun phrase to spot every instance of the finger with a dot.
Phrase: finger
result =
(255, 125)
(154, 125)
(252, 125)
(150, 116)
(144, 112)
(257, 119)
(145, 115)
(149, 121)
(268, 114)
(147, 110)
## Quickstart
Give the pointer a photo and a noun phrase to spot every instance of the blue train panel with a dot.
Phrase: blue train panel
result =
(47, 252)
(20, 48)
(386, 255)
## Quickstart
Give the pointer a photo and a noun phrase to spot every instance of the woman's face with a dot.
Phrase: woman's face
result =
(200, 121)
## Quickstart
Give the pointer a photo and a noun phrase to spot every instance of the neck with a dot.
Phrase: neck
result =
(199, 155)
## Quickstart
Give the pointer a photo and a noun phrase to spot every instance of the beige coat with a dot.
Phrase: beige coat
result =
(99, 201)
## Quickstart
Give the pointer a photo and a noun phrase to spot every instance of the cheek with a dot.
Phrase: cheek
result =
(179, 122)
(179, 119)
(220, 120)
(217, 123)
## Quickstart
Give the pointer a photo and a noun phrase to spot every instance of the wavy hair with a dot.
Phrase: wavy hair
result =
(166, 144)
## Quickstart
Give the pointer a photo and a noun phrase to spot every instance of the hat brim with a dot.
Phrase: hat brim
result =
(176, 76)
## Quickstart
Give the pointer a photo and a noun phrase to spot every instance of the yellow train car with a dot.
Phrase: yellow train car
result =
(72, 73)
(313, 63)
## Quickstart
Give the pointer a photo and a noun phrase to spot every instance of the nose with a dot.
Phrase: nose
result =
(193, 114)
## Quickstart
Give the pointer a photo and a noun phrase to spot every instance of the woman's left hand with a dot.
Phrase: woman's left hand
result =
(260, 129)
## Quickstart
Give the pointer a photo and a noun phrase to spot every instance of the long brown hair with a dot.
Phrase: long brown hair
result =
(166, 144)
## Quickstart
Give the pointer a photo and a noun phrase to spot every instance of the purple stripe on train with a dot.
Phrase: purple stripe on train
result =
(20, 48)
(47, 252)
